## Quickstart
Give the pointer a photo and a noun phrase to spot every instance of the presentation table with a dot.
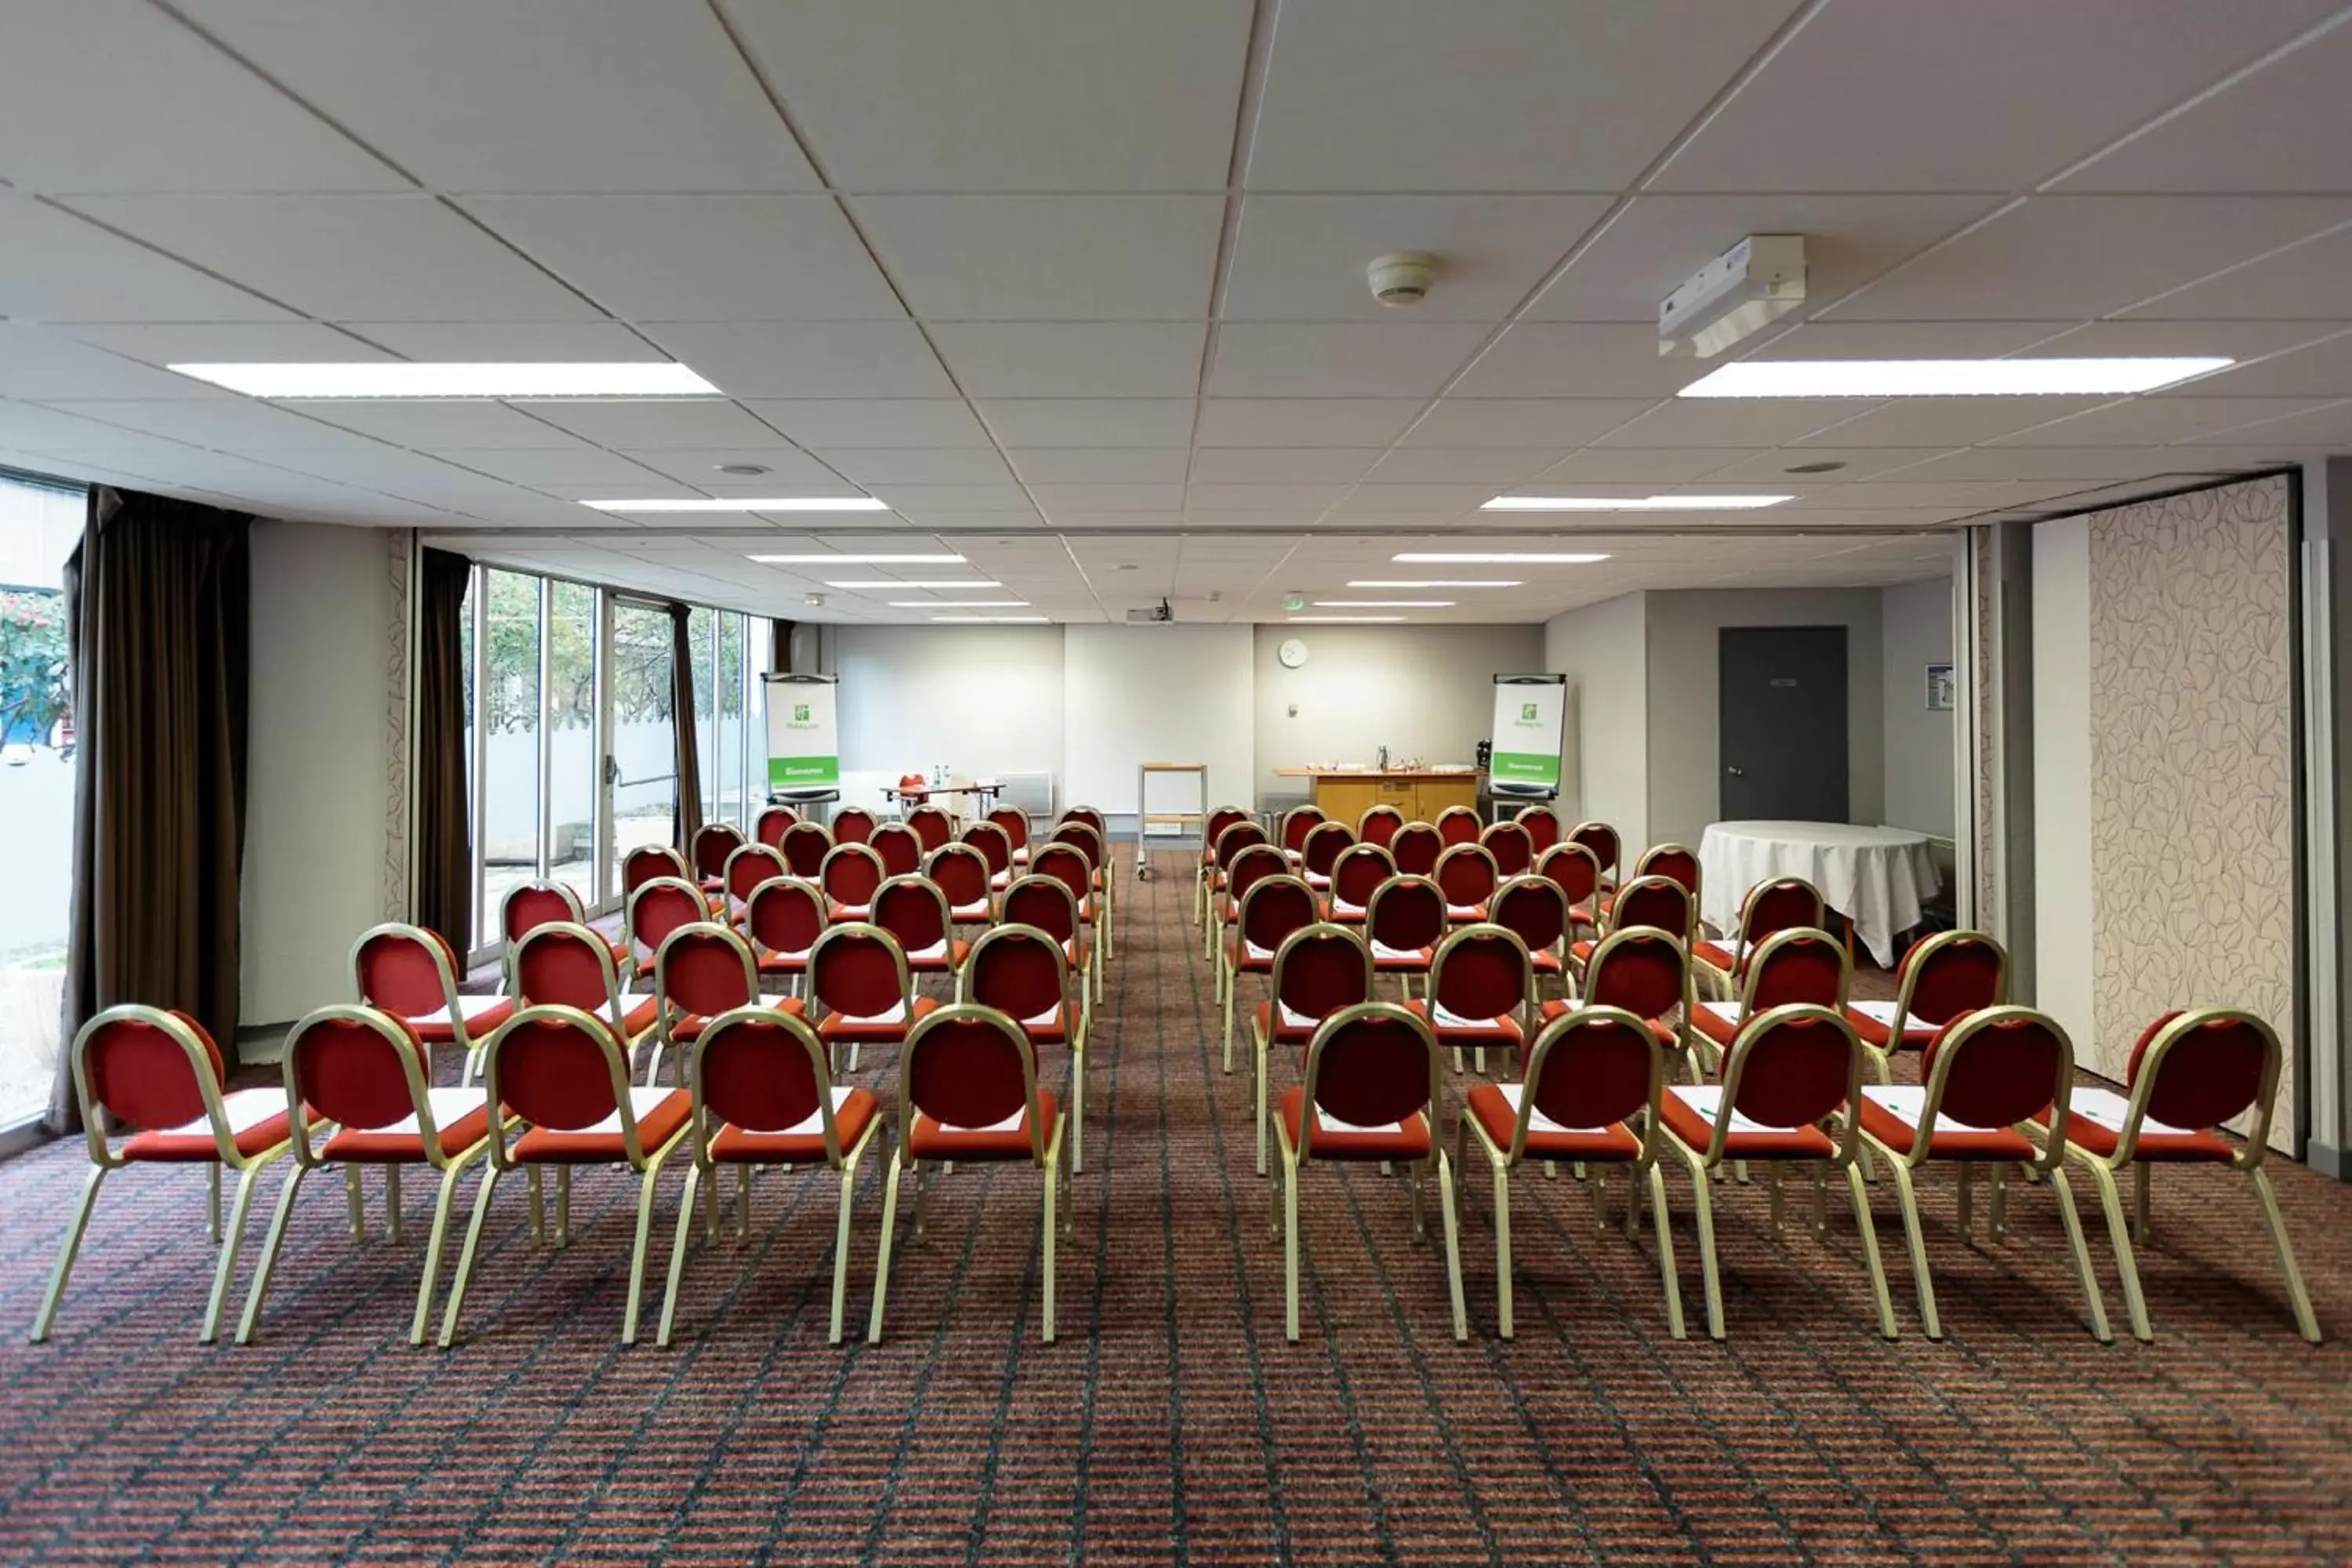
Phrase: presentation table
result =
(1875, 876)
(904, 795)
(1346, 794)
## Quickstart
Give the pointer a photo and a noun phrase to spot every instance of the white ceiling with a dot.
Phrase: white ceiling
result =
(1077, 285)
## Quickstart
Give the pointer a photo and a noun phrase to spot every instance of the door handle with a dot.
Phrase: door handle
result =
(612, 769)
(1736, 772)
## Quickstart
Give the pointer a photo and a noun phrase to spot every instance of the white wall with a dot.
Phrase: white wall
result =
(1686, 760)
(1173, 693)
(1915, 630)
(1604, 768)
(1423, 692)
(325, 626)
(981, 700)
(2063, 896)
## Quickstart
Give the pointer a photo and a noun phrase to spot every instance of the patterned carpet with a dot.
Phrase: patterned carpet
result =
(1173, 1423)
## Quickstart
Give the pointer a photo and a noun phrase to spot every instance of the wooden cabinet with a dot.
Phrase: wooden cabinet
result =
(1345, 797)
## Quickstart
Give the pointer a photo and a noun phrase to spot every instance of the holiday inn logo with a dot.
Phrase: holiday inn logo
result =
(1527, 713)
(800, 712)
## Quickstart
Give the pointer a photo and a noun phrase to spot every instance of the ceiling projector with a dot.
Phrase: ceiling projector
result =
(1754, 283)
(1158, 615)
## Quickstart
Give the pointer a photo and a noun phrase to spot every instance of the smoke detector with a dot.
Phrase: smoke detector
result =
(1402, 278)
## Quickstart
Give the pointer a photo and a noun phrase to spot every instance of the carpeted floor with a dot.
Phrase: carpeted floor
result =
(1173, 1423)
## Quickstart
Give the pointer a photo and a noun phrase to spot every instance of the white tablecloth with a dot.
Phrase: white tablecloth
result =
(1875, 876)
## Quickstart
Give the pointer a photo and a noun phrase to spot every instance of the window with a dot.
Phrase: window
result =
(571, 821)
(644, 756)
(727, 783)
(510, 766)
(39, 526)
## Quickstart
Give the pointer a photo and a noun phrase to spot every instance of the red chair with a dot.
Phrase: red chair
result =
(932, 826)
(1296, 823)
(747, 868)
(2190, 1073)
(1589, 1074)
(1271, 908)
(805, 845)
(1983, 1077)
(1230, 845)
(769, 826)
(1371, 1093)
(1643, 970)
(1675, 862)
(1940, 978)
(646, 861)
(1782, 903)
(1403, 924)
(1787, 967)
(1534, 909)
(565, 1076)
(851, 875)
(1378, 825)
(900, 846)
(1512, 846)
(1079, 833)
(968, 1092)
(1466, 874)
(572, 966)
(859, 978)
(1325, 842)
(656, 909)
(1478, 985)
(1602, 840)
(713, 843)
(412, 973)
(700, 972)
(783, 920)
(1659, 903)
(1046, 905)
(1014, 822)
(995, 846)
(763, 1096)
(160, 1075)
(853, 824)
(1022, 972)
(1068, 864)
(915, 912)
(1359, 870)
(1252, 865)
(530, 905)
(1788, 1089)
(1458, 825)
(1317, 971)
(369, 1074)
(1212, 829)
(1416, 847)
(962, 873)
(1542, 825)
(1577, 875)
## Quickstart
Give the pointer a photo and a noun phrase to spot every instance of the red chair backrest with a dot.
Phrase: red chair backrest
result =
(751, 866)
(1573, 869)
(1317, 973)
(1324, 844)
(769, 826)
(969, 1070)
(1374, 1070)
(932, 826)
(706, 971)
(565, 966)
(1090, 816)
(1014, 822)
(1018, 973)
(1457, 824)
(1512, 846)
(1417, 846)
(785, 916)
(1067, 864)
(646, 861)
(901, 848)
(1406, 912)
(1601, 840)
(961, 872)
(1542, 824)
(1252, 864)
(1955, 977)
(1594, 1072)
(1640, 972)
(1043, 902)
(142, 1076)
(759, 1074)
(660, 907)
(853, 824)
(1795, 1071)
(354, 1072)
(1378, 825)
(1274, 908)
(713, 842)
(851, 873)
(1802, 966)
(1670, 861)
(554, 1072)
(1658, 901)
(1224, 816)
(1360, 868)
(2210, 1074)
(1466, 872)
(1296, 823)
(1480, 974)
(1240, 836)
(857, 970)
(1082, 836)
(805, 845)
(914, 910)
(1532, 909)
(396, 972)
(1785, 903)
(995, 846)
(2005, 1072)
(535, 904)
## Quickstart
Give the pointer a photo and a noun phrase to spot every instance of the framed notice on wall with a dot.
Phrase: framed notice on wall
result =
(1528, 710)
(1940, 690)
(804, 740)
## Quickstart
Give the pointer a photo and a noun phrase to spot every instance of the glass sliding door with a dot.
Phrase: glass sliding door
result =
(510, 764)
(642, 777)
(727, 792)
(569, 828)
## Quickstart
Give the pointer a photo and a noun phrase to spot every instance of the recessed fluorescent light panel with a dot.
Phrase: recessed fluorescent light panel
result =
(754, 503)
(1334, 620)
(1434, 582)
(958, 603)
(1495, 557)
(873, 584)
(989, 620)
(1948, 378)
(1632, 503)
(1384, 604)
(860, 560)
(398, 378)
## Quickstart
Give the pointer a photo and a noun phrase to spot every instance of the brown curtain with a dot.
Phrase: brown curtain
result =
(687, 820)
(444, 855)
(158, 615)
(780, 646)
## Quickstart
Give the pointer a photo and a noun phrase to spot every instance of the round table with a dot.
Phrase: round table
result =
(1875, 876)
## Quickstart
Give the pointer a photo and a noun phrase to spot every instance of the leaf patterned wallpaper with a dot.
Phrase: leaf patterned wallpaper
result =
(2193, 766)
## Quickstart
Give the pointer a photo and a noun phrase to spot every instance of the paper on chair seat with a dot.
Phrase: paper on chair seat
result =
(1464, 912)
(2105, 1108)
(1382, 950)
(449, 1106)
(1882, 1014)
(1046, 1019)
(936, 949)
(1252, 950)
(890, 1014)
(1325, 1123)
(1708, 1100)
(1908, 1101)
(1292, 1019)
(1011, 1123)
(1446, 1020)
(643, 1101)
(1726, 1011)
(1536, 1121)
(469, 1007)
(245, 1107)
(1342, 907)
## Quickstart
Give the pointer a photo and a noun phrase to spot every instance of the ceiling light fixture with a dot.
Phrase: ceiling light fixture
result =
(1335, 620)
(1949, 378)
(1496, 557)
(744, 503)
(1632, 503)
(877, 584)
(1384, 604)
(990, 620)
(848, 560)
(1434, 582)
(402, 378)
(958, 603)
(744, 470)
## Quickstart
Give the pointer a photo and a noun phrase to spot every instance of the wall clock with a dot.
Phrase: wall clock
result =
(1293, 653)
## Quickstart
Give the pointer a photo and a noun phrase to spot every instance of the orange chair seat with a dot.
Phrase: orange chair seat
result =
(1451, 1029)
(460, 1119)
(1296, 1029)
(1545, 961)
(930, 1139)
(1583, 913)
(1050, 1028)
(775, 961)
(1408, 1140)
(1581, 951)
(882, 1027)
(1878, 1032)
(689, 1025)
(2157, 1142)
(837, 913)
(1410, 960)
(1771, 1144)
(943, 957)
(481, 1015)
(1498, 1114)
(1465, 914)
(1344, 914)
(1890, 1114)
(1707, 1021)
(1715, 955)
(1554, 1007)
(976, 912)
(1248, 958)
(256, 1122)
(802, 1143)
(660, 1113)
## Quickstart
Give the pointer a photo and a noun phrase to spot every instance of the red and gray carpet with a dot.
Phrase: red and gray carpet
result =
(1171, 1424)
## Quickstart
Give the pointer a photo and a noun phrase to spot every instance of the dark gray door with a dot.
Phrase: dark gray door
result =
(1782, 731)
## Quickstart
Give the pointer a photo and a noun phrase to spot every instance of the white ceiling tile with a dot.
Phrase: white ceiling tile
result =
(1638, 465)
(1101, 465)
(912, 498)
(234, 343)
(558, 466)
(1942, 421)
(1302, 258)
(2311, 281)
(1304, 421)
(1048, 258)
(873, 421)
(2328, 428)
(357, 257)
(29, 428)
(707, 258)
(44, 364)
(1902, 339)
(1072, 359)
(1060, 501)
(498, 95)
(1861, 463)
(1432, 498)
(2242, 341)
(2072, 258)
(2035, 462)
(790, 470)
(2155, 421)
(1557, 422)
(1035, 95)
(1393, 359)
(919, 465)
(1731, 421)
(688, 424)
(1555, 359)
(1995, 95)
(1477, 465)
(57, 266)
(1658, 241)
(1308, 498)
(117, 95)
(808, 359)
(458, 343)
(235, 423)
(1089, 422)
(432, 424)
(1282, 464)
(2323, 369)
(1531, 95)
